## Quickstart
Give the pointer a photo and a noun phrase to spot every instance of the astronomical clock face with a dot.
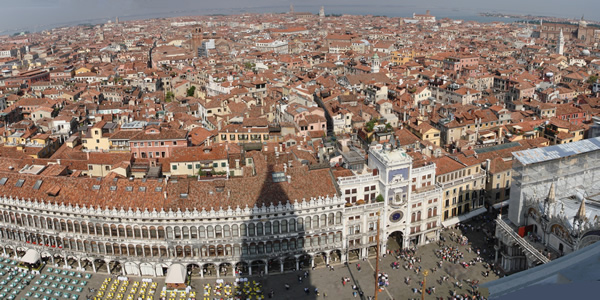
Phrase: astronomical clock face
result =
(396, 216)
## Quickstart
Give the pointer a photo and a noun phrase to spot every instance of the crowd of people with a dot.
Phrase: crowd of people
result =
(453, 245)
(449, 264)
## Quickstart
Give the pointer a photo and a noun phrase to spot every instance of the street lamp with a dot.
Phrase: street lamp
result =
(425, 273)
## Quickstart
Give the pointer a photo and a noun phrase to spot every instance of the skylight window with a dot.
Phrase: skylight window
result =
(20, 182)
(3, 180)
(38, 184)
(96, 187)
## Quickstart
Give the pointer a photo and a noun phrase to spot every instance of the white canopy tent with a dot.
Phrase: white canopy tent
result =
(31, 257)
(176, 274)
(464, 217)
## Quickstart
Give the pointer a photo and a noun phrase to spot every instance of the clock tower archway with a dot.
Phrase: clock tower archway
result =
(395, 241)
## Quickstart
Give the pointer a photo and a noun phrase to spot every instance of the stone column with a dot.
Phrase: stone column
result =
(79, 262)
(108, 267)
(297, 264)
(66, 262)
(218, 269)
(281, 265)
(266, 268)
(93, 266)
(327, 258)
(250, 270)
(201, 272)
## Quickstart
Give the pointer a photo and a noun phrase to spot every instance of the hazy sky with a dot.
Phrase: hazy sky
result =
(18, 14)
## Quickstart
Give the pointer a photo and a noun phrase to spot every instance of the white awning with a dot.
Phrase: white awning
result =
(176, 274)
(30, 257)
(464, 217)
(501, 204)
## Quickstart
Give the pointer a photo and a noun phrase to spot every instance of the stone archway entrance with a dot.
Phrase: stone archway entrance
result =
(258, 267)
(320, 259)
(209, 270)
(289, 263)
(335, 256)
(241, 268)
(395, 241)
(225, 269)
(193, 269)
(304, 261)
(274, 266)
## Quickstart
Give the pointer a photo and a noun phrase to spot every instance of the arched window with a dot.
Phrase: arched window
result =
(315, 223)
(235, 230)
(185, 232)
(338, 237)
(314, 241)
(243, 230)
(226, 231)
(268, 228)
(259, 229)
(202, 232)
(210, 232)
(330, 219)
(284, 226)
(251, 230)
(276, 227)
(269, 247)
(300, 224)
(218, 231)
(292, 225)
(308, 223)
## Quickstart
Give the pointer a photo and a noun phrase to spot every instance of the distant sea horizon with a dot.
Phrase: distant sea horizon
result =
(388, 11)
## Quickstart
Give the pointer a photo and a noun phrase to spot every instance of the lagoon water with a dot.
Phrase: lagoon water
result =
(55, 13)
